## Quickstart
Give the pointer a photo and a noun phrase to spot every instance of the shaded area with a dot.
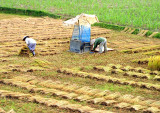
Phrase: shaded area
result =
(27, 12)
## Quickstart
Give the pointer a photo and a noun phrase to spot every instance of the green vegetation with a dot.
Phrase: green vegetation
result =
(108, 26)
(148, 33)
(136, 31)
(157, 35)
(135, 13)
(26, 12)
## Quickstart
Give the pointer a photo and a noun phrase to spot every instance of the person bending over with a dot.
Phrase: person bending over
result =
(101, 41)
(31, 43)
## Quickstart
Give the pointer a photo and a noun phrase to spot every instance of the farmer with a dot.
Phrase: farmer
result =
(31, 43)
(101, 41)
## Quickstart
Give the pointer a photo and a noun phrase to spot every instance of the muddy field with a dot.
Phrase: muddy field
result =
(59, 81)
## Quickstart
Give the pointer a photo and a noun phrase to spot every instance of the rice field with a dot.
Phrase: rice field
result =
(135, 13)
(58, 81)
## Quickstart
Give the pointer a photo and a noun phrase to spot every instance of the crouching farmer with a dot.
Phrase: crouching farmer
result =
(102, 42)
(31, 43)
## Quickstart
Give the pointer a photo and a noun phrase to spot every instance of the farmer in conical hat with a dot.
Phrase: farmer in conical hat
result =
(31, 43)
(101, 41)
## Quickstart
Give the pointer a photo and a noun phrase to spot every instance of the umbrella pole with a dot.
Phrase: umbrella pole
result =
(79, 30)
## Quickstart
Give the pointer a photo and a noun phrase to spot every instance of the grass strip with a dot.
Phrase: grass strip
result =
(157, 35)
(27, 12)
(109, 26)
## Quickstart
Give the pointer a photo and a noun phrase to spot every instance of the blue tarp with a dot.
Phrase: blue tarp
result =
(81, 33)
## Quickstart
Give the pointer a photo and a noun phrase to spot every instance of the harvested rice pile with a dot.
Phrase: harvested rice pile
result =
(24, 51)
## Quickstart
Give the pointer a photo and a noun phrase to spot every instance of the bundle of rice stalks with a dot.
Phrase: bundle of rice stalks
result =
(152, 53)
(62, 70)
(137, 75)
(83, 90)
(114, 66)
(35, 68)
(137, 107)
(116, 71)
(82, 98)
(107, 69)
(81, 74)
(85, 109)
(58, 86)
(24, 78)
(60, 93)
(98, 77)
(134, 84)
(29, 87)
(141, 70)
(108, 102)
(152, 110)
(112, 96)
(46, 84)
(137, 99)
(96, 100)
(92, 92)
(41, 63)
(154, 63)
(72, 107)
(35, 98)
(6, 81)
(122, 105)
(51, 102)
(117, 66)
(147, 102)
(156, 104)
(69, 96)
(126, 98)
(103, 93)
(102, 68)
(51, 85)
(157, 78)
(36, 90)
(61, 103)
(32, 82)
(127, 68)
(24, 51)
(100, 111)
(70, 88)
(141, 61)
(154, 73)
(50, 91)
(149, 86)
(143, 49)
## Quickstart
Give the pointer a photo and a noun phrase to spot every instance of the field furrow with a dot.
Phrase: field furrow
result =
(110, 79)
(91, 96)
(143, 49)
(130, 71)
(49, 102)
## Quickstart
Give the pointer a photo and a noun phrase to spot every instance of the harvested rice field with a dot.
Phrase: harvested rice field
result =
(59, 81)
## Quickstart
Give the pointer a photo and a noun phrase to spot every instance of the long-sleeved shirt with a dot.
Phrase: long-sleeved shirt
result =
(98, 41)
(30, 41)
